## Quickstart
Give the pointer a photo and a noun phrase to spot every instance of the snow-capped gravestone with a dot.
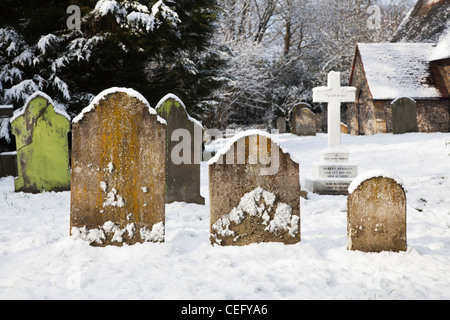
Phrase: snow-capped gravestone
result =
(118, 171)
(183, 153)
(41, 132)
(303, 120)
(334, 173)
(404, 116)
(254, 192)
(376, 213)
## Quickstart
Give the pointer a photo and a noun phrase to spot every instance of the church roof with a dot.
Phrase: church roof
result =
(442, 50)
(425, 22)
(396, 70)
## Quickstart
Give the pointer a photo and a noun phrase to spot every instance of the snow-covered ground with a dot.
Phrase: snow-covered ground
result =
(38, 259)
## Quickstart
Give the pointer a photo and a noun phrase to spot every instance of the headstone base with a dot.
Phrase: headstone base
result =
(333, 174)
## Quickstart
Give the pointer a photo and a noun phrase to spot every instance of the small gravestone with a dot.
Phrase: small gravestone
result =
(281, 125)
(404, 116)
(303, 120)
(183, 153)
(376, 213)
(41, 132)
(254, 192)
(118, 171)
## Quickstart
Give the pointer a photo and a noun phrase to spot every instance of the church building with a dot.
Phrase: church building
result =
(418, 68)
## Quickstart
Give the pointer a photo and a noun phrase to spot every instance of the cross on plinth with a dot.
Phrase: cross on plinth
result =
(334, 95)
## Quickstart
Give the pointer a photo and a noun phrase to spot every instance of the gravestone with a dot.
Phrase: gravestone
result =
(118, 171)
(303, 120)
(281, 125)
(334, 173)
(376, 213)
(41, 132)
(254, 192)
(182, 158)
(404, 116)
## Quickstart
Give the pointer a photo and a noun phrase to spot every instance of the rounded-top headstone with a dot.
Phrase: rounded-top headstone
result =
(376, 213)
(118, 170)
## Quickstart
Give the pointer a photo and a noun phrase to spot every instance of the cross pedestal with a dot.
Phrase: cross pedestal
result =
(334, 173)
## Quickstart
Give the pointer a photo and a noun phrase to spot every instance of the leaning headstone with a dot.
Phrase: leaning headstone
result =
(118, 171)
(303, 120)
(41, 132)
(183, 152)
(404, 116)
(334, 173)
(376, 213)
(254, 192)
(281, 125)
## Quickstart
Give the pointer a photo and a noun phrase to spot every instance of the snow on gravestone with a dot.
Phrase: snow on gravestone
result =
(41, 132)
(376, 213)
(303, 120)
(183, 153)
(254, 192)
(118, 170)
(404, 116)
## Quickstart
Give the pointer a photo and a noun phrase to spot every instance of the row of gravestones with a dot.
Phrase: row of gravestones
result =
(304, 121)
(123, 173)
(307, 123)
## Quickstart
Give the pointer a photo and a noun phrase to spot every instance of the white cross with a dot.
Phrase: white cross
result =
(334, 95)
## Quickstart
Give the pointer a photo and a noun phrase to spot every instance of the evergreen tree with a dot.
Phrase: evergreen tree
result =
(154, 47)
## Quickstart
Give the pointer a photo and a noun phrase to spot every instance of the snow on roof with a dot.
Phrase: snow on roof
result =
(174, 97)
(398, 69)
(442, 50)
(248, 133)
(21, 111)
(372, 174)
(103, 94)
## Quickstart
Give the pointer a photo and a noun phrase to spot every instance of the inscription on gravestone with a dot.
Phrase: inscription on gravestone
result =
(118, 171)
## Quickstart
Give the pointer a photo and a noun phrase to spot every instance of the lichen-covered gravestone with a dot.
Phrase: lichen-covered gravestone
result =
(404, 116)
(118, 171)
(183, 153)
(303, 120)
(376, 213)
(41, 132)
(254, 192)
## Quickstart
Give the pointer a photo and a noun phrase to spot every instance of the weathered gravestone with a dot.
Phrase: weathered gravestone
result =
(118, 171)
(376, 213)
(404, 116)
(254, 192)
(281, 125)
(183, 157)
(41, 133)
(303, 120)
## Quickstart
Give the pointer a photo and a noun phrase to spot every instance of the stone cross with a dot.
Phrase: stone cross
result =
(334, 95)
